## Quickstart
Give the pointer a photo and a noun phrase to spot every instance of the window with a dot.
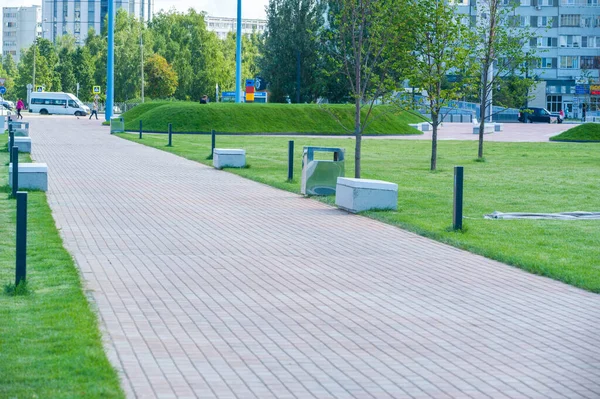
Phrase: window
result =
(525, 2)
(586, 22)
(590, 62)
(569, 41)
(588, 41)
(546, 42)
(554, 103)
(545, 63)
(544, 22)
(569, 62)
(570, 20)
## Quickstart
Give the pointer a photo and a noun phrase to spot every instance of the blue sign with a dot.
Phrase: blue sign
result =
(249, 82)
(228, 94)
(2, 90)
(581, 89)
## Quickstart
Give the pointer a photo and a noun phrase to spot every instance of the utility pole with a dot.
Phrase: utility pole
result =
(34, 51)
(238, 54)
(142, 60)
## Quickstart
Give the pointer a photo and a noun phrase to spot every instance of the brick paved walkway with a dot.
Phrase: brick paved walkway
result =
(209, 285)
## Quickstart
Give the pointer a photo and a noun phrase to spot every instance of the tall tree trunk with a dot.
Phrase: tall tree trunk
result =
(482, 107)
(434, 126)
(358, 140)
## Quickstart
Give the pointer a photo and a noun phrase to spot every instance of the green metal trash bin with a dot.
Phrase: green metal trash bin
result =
(319, 177)
(117, 125)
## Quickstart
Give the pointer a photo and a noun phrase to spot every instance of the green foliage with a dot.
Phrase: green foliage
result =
(83, 69)
(162, 80)
(587, 132)
(292, 35)
(10, 73)
(263, 118)
(517, 177)
(439, 37)
(22, 289)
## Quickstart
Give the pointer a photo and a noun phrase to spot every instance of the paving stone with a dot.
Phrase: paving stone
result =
(209, 285)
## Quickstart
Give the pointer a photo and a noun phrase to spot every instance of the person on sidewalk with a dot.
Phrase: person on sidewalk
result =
(583, 109)
(94, 109)
(20, 107)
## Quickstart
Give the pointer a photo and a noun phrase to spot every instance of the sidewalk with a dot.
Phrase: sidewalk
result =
(209, 285)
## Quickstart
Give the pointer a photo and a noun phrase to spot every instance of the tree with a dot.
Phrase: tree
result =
(440, 38)
(370, 46)
(10, 74)
(291, 48)
(161, 78)
(83, 69)
(499, 40)
(65, 70)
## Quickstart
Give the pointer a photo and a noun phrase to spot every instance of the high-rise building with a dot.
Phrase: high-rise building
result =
(20, 27)
(77, 17)
(223, 25)
(567, 45)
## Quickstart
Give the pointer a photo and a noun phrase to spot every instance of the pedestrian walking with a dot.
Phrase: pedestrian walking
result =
(583, 109)
(94, 109)
(20, 107)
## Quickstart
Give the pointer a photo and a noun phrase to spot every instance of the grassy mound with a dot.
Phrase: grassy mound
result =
(265, 118)
(588, 132)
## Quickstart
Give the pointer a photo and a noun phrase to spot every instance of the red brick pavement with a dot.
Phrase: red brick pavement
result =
(209, 285)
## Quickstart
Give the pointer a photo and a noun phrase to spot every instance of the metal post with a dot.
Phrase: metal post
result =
(457, 214)
(21, 264)
(140, 129)
(110, 62)
(11, 142)
(238, 54)
(170, 135)
(15, 170)
(213, 142)
(290, 160)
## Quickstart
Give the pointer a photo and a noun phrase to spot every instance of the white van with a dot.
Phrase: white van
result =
(57, 103)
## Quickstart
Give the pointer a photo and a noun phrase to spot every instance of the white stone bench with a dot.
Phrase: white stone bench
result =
(357, 195)
(229, 157)
(425, 126)
(498, 127)
(489, 128)
(23, 143)
(31, 175)
(416, 126)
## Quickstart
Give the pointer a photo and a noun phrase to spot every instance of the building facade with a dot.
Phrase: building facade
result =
(77, 17)
(20, 27)
(223, 25)
(567, 45)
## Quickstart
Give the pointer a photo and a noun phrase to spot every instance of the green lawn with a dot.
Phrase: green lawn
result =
(265, 118)
(516, 177)
(587, 132)
(50, 345)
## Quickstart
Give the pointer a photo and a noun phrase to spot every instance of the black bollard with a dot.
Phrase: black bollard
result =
(457, 214)
(11, 143)
(213, 142)
(21, 264)
(170, 136)
(290, 160)
(15, 170)
(140, 129)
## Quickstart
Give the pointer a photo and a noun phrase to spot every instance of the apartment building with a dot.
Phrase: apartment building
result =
(20, 27)
(567, 45)
(77, 17)
(223, 25)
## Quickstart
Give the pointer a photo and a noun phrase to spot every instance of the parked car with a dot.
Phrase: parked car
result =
(9, 105)
(535, 114)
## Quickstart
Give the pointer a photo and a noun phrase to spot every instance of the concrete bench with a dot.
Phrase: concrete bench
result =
(229, 157)
(498, 127)
(31, 175)
(489, 128)
(425, 127)
(20, 129)
(23, 143)
(416, 126)
(356, 195)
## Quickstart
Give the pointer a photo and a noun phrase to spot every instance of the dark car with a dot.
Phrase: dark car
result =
(535, 114)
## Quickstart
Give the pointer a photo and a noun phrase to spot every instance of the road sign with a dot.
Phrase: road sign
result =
(96, 90)
(39, 89)
(2, 90)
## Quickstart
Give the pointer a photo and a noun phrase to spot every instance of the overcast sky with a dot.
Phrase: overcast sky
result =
(216, 8)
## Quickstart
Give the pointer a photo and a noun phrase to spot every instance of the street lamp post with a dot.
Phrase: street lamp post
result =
(238, 54)
(110, 67)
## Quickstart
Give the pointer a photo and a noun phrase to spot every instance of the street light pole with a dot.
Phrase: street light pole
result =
(238, 54)
(142, 61)
(110, 67)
